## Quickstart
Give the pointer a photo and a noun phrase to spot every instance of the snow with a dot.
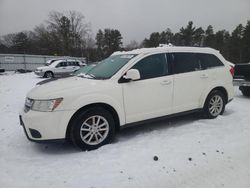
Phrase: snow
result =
(191, 152)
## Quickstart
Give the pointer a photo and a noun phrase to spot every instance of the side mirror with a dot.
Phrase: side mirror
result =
(132, 74)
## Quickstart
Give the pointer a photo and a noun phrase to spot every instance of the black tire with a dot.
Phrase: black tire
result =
(245, 91)
(211, 112)
(48, 74)
(77, 134)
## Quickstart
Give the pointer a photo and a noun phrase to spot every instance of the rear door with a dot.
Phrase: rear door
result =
(189, 81)
(214, 67)
(70, 67)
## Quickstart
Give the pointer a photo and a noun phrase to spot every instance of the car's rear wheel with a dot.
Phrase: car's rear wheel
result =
(92, 128)
(214, 105)
(48, 74)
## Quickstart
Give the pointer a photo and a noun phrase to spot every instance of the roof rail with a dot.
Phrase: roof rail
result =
(166, 45)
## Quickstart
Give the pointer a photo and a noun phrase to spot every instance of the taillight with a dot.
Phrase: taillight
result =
(232, 71)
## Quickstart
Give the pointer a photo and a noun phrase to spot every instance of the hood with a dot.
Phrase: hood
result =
(67, 87)
(43, 67)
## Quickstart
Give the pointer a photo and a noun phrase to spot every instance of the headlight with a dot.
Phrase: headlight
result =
(46, 105)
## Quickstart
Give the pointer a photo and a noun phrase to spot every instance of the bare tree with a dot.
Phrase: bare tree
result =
(69, 30)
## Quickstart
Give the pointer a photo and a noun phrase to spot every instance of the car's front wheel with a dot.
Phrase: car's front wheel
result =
(214, 105)
(48, 74)
(92, 128)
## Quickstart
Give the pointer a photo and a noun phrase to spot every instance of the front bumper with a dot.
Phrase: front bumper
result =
(39, 73)
(41, 126)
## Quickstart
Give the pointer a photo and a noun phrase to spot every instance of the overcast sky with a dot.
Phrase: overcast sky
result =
(135, 19)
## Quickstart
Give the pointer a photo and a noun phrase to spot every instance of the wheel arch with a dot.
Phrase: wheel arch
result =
(218, 88)
(103, 105)
(50, 72)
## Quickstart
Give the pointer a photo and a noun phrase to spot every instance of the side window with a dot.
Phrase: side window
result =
(208, 60)
(59, 65)
(152, 66)
(64, 64)
(184, 62)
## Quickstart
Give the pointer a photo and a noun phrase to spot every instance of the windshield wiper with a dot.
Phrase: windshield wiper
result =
(93, 76)
(89, 76)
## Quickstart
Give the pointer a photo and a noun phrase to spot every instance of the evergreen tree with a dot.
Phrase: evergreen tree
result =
(222, 40)
(108, 41)
(246, 43)
(190, 36)
(209, 37)
(157, 38)
(153, 41)
(21, 42)
(166, 36)
(236, 44)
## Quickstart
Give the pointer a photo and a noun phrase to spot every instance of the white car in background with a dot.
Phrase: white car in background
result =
(125, 89)
(59, 68)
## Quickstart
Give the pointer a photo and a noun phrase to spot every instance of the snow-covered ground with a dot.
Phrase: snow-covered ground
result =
(191, 152)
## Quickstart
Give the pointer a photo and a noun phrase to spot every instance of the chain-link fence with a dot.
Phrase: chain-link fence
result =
(12, 62)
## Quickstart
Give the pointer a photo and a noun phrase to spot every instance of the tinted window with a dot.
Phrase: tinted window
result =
(64, 64)
(59, 65)
(184, 62)
(208, 60)
(152, 66)
(72, 63)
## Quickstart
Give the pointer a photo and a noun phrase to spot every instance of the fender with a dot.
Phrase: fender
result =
(206, 92)
(100, 98)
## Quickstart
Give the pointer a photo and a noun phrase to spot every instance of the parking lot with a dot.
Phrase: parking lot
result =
(191, 152)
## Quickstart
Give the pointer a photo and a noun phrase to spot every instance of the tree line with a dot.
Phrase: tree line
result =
(68, 34)
(234, 46)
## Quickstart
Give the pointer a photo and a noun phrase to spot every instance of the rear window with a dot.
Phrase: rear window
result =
(184, 62)
(208, 60)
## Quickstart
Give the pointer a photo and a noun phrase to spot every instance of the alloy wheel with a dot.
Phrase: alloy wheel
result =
(215, 105)
(94, 130)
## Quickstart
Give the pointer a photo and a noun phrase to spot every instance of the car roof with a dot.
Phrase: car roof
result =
(168, 49)
(63, 60)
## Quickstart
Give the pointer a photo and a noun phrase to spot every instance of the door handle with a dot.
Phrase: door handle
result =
(166, 82)
(204, 76)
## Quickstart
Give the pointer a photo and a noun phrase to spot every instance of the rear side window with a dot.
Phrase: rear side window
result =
(72, 63)
(62, 64)
(208, 60)
(152, 66)
(184, 62)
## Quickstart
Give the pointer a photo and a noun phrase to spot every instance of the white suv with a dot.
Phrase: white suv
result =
(128, 88)
(59, 68)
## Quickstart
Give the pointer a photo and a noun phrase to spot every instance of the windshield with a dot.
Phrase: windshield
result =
(108, 67)
(49, 62)
(84, 69)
